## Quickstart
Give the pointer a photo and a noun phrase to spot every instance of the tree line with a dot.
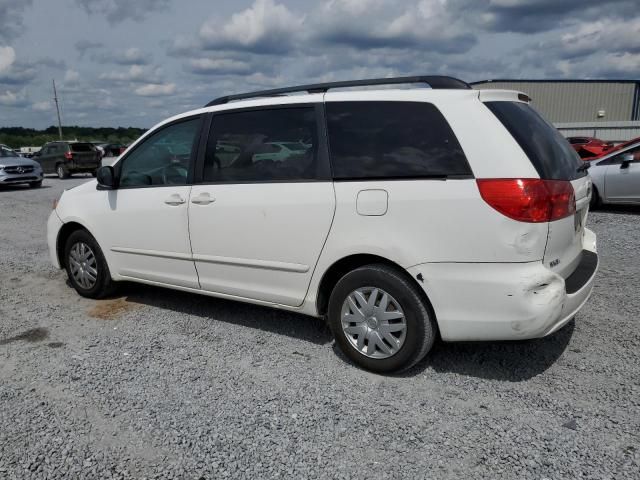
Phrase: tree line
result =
(16, 137)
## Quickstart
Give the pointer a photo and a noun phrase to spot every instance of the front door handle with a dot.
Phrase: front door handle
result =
(174, 199)
(203, 199)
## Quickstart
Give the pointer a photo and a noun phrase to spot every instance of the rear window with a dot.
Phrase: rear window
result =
(81, 147)
(549, 152)
(382, 140)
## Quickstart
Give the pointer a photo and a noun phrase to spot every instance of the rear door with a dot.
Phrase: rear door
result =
(554, 159)
(84, 155)
(258, 222)
(622, 180)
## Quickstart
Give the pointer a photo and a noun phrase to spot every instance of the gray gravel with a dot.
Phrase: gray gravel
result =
(161, 384)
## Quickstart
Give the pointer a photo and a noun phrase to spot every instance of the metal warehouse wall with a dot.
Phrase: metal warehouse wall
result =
(574, 101)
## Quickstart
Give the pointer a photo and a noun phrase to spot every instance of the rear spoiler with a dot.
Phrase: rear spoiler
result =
(491, 95)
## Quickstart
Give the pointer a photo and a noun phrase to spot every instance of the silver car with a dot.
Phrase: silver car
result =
(616, 177)
(15, 169)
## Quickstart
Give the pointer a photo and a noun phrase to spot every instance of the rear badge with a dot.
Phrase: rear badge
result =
(555, 263)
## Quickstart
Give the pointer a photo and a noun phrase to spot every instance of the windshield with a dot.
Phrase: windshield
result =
(5, 152)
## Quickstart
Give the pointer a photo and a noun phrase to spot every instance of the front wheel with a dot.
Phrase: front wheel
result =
(86, 267)
(380, 319)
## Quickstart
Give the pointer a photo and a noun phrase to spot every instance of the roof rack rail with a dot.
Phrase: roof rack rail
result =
(434, 81)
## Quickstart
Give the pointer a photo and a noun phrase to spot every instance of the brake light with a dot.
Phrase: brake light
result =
(529, 199)
(68, 155)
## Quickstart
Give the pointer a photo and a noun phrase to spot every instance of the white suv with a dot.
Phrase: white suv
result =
(399, 214)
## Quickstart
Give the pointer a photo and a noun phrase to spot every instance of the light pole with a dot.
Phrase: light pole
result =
(55, 99)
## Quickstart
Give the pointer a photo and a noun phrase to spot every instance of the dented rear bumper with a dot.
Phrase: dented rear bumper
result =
(506, 301)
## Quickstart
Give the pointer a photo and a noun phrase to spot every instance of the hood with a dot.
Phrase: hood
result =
(17, 161)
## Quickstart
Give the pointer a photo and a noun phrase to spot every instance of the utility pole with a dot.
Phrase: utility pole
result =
(55, 99)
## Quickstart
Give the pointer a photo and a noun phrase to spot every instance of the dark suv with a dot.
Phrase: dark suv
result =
(66, 158)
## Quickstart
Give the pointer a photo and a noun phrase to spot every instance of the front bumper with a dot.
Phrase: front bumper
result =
(506, 301)
(9, 179)
(54, 224)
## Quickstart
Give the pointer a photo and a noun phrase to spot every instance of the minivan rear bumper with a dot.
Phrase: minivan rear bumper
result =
(506, 301)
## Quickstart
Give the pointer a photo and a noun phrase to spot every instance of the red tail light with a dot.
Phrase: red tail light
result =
(529, 199)
(68, 155)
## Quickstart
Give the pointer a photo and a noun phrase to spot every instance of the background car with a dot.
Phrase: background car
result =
(622, 146)
(67, 158)
(15, 169)
(589, 147)
(110, 149)
(279, 151)
(14, 150)
(616, 177)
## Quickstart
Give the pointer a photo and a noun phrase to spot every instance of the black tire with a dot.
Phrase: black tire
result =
(35, 184)
(420, 321)
(94, 174)
(595, 201)
(104, 285)
(62, 171)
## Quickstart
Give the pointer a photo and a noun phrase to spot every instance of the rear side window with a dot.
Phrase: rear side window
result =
(81, 147)
(382, 140)
(549, 152)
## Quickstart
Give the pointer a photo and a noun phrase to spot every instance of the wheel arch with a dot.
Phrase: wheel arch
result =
(65, 231)
(346, 264)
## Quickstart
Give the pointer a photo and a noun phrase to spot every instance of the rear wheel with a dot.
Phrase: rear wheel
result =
(62, 172)
(86, 267)
(380, 319)
(35, 184)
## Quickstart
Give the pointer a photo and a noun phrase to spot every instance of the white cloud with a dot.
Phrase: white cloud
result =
(13, 99)
(41, 106)
(71, 77)
(608, 35)
(133, 55)
(266, 26)
(7, 57)
(135, 73)
(118, 10)
(155, 89)
(219, 66)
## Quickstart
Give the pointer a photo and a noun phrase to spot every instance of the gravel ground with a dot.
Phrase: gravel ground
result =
(161, 384)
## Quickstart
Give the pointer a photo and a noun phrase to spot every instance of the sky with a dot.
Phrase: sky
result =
(136, 62)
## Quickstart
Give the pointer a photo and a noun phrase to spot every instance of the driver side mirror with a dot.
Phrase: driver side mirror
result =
(626, 160)
(106, 178)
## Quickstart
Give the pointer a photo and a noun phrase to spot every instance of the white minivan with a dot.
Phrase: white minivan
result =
(400, 215)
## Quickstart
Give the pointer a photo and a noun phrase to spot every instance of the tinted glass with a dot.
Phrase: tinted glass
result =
(162, 159)
(248, 146)
(81, 147)
(392, 140)
(549, 152)
(5, 152)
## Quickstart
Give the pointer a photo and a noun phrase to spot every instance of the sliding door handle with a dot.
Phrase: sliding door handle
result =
(203, 199)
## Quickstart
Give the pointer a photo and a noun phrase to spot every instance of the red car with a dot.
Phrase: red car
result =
(589, 147)
(620, 146)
